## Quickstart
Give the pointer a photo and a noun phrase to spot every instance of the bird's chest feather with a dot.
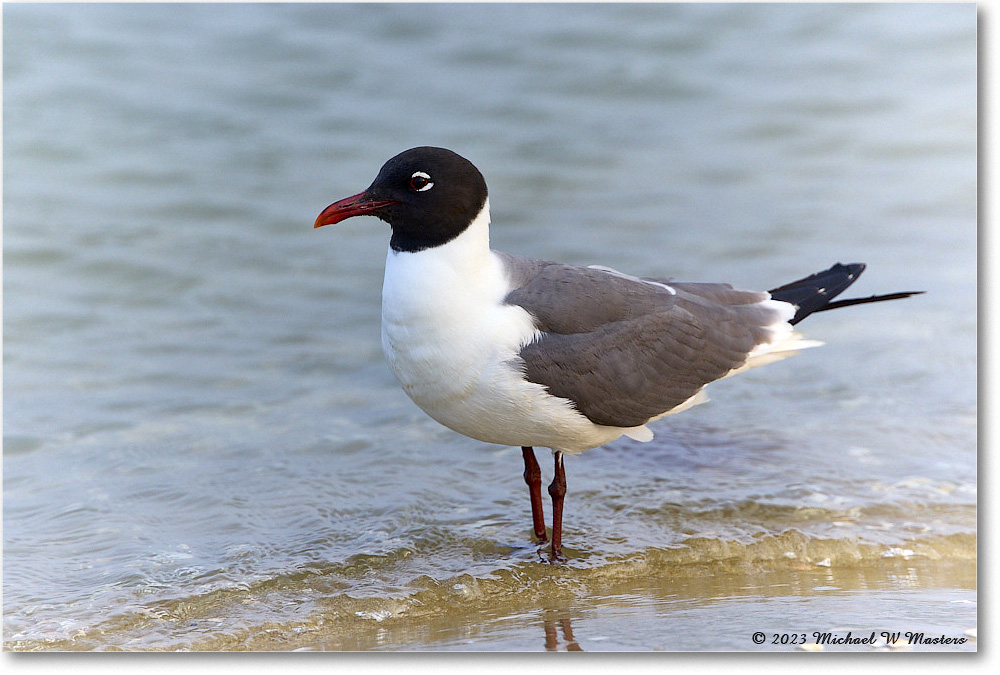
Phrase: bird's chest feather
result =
(446, 333)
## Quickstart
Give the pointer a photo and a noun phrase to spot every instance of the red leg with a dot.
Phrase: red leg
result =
(533, 477)
(557, 490)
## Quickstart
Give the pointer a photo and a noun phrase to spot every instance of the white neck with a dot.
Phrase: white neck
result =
(466, 254)
(459, 275)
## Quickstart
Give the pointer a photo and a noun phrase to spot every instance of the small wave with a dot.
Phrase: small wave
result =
(348, 605)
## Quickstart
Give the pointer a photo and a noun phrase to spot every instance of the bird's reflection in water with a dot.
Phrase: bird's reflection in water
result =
(555, 622)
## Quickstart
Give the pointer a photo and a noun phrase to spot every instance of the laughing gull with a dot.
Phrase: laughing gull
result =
(527, 353)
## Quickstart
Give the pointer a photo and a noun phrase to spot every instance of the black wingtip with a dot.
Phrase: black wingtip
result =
(871, 298)
(815, 293)
(817, 290)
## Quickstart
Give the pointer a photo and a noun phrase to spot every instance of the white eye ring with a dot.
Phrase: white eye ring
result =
(414, 181)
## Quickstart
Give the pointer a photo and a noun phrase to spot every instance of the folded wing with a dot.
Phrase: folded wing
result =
(626, 350)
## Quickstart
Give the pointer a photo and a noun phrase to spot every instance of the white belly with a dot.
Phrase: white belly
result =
(453, 345)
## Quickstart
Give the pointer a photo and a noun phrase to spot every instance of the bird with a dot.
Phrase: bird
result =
(532, 353)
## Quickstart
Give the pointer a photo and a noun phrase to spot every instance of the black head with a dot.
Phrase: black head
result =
(428, 195)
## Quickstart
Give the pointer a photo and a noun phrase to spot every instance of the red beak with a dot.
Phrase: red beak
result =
(357, 205)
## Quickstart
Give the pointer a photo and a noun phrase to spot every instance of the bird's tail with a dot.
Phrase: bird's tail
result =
(815, 293)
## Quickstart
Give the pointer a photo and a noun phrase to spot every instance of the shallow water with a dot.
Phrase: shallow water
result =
(203, 447)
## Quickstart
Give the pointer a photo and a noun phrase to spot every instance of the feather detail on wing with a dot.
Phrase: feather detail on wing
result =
(625, 350)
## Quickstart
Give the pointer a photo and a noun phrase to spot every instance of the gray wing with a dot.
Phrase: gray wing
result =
(624, 350)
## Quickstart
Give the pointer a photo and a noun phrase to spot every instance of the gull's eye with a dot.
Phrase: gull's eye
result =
(421, 182)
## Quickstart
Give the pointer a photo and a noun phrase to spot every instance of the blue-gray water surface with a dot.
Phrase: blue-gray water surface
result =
(203, 446)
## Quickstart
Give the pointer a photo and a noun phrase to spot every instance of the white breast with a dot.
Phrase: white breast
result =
(452, 344)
